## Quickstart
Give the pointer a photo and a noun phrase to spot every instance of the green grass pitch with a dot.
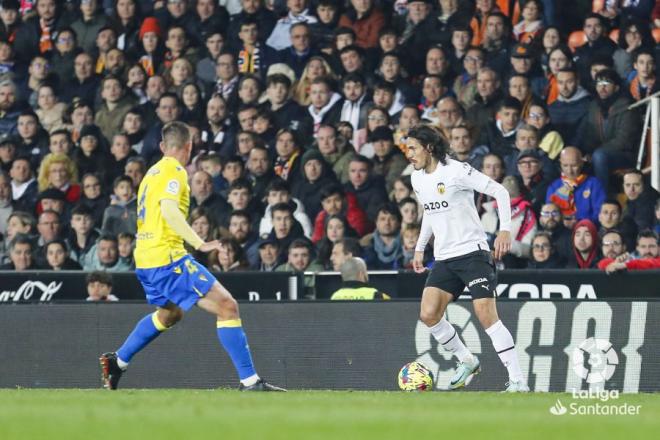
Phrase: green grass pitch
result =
(33, 414)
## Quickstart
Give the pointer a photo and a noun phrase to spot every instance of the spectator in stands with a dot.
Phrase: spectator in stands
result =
(610, 145)
(54, 200)
(94, 198)
(285, 229)
(126, 246)
(325, 107)
(570, 107)
(335, 149)
(57, 256)
(121, 215)
(549, 140)
(91, 156)
(550, 221)
(99, 287)
(59, 172)
(204, 226)
(242, 230)
(366, 20)
(449, 114)
(9, 107)
(6, 205)
(576, 193)
(289, 152)
(286, 112)
(612, 245)
(296, 56)
(611, 219)
(388, 162)
(344, 249)
(367, 188)
(298, 12)
(598, 44)
(278, 191)
(463, 148)
(268, 255)
(299, 259)
(49, 228)
(32, 138)
(645, 82)
(104, 255)
(336, 228)
(20, 254)
(91, 21)
(337, 202)
(585, 246)
(646, 258)
(316, 174)
(230, 257)
(640, 199)
(19, 222)
(168, 110)
(203, 196)
(543, 253)
(253, 56)
(259, 171)
(489, 94)
(535, 183)
(465, 85)
(116, 103)
(523, 223)
(354, 282)
(383, 250)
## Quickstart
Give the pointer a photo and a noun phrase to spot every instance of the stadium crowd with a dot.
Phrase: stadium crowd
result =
(299, 111)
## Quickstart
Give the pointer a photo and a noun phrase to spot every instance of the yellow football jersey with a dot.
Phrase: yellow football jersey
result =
(157, 244)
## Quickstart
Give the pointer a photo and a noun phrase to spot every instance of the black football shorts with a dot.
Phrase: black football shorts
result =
(475, 270)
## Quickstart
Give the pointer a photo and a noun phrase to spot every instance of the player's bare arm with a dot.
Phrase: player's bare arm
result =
(176, 220)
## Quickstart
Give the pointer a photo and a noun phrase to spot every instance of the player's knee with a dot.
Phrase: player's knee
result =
(229, 306)
(169, 318)
(429, 318)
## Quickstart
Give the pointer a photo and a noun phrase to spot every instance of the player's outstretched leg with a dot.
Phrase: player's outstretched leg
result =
(219, 301)
(434, 304)
(502, 340)
(147, 329)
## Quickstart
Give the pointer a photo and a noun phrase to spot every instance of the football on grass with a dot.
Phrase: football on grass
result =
(414, 376)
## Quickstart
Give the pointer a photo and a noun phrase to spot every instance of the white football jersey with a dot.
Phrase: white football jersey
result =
(447, 197)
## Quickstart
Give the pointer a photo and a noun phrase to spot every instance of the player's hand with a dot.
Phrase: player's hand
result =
(502, 244)
(209, 246)
(418, 262)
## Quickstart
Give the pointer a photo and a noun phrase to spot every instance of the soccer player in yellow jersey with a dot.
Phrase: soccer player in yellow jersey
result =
(172, 279)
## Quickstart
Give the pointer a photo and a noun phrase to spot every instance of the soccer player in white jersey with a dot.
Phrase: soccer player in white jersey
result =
(445, 188)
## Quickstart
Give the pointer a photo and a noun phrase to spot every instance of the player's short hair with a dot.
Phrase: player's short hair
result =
(175, 135)
(99, 276)
(432, 140)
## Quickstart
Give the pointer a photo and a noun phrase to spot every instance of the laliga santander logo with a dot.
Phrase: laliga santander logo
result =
(601, 364)
(602, 360)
